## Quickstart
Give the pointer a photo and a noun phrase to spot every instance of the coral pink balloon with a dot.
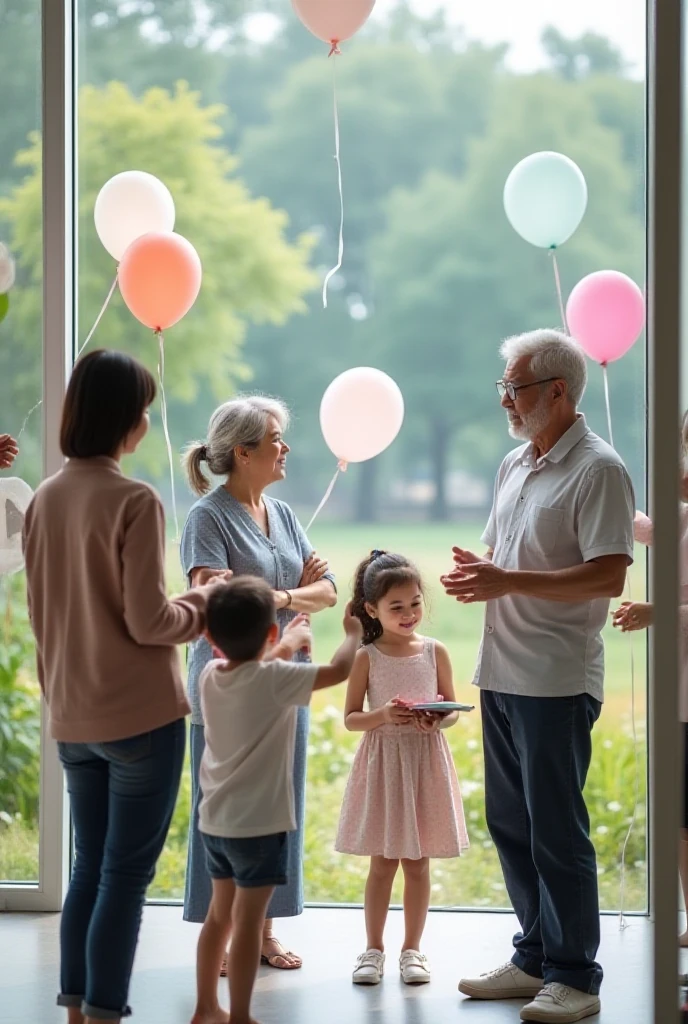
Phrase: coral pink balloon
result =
(333, 21)
(361, 414)
(606, 315)
(160, 277)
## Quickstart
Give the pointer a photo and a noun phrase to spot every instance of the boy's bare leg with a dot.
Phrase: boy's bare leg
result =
(248, 919)
(211, 946)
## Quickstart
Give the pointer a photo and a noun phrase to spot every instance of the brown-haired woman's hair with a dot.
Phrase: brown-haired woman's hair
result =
(375, 577)
(107, 397)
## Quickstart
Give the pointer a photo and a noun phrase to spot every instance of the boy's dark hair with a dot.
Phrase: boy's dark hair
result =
(375, 577)
(239, 615)
(107, 396)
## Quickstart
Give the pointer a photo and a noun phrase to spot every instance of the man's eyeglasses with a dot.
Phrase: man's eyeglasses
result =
(507, 388)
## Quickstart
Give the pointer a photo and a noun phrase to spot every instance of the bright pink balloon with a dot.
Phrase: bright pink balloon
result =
(333, 21)
(160, 277)
(606, 315)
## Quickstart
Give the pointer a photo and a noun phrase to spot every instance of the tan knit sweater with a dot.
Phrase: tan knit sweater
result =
(105, 630)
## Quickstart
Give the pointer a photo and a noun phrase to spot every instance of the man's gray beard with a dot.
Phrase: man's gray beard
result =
(532, 424)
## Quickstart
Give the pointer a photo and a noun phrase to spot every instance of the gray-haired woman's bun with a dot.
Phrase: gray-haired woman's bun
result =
(195, 454)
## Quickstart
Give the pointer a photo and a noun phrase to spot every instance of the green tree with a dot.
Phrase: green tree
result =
(619, 100)
(452, 278)
(589, 54)
(252, 273)
(20, 60)
(402, 111)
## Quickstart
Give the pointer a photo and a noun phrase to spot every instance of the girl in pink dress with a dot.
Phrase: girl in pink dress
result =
(402, 802)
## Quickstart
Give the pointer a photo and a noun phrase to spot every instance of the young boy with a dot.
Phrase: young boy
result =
(250, 705)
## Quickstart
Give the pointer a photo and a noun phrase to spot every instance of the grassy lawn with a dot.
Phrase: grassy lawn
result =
(475, 879)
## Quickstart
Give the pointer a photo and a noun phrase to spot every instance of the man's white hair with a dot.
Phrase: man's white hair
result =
(551, 354)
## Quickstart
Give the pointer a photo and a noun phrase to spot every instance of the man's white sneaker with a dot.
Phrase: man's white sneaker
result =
(507, 982)
(559, 1004)
(414, 967)
(369, 968)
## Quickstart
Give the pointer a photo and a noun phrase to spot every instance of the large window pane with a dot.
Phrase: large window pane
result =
(435, 109)
(20, 391)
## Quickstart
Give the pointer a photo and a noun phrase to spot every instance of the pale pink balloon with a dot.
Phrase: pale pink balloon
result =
(643, 530)
(160, 277)
(333, 21)
(361, 414)
(606, 315)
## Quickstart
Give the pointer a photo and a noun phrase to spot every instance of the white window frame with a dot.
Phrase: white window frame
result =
(58, 111)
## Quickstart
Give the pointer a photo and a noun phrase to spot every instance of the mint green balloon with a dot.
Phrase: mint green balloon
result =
(4, 306)
(545, 197)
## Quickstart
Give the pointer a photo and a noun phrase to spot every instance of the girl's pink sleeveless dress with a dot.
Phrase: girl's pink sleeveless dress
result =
(402, 799)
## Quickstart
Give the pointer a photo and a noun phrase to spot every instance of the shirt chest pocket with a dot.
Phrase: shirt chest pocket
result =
(543, 529)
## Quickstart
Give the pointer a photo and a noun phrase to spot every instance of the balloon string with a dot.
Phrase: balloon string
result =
(163, 409)
(99, 317)
(337, 153)
(636, 798)
(608, 404)
(341, 468)
(28, 417)
(557, 284)
(39, 403)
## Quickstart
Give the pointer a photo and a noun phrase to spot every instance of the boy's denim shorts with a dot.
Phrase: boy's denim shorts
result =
(252, 863)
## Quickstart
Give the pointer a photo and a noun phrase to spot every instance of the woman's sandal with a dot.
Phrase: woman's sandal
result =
(271, 961)
(268, 961)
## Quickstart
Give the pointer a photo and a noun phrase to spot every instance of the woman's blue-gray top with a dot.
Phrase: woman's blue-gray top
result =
(220, 534)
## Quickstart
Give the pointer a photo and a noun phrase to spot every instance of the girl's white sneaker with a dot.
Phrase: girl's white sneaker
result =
(414, 967)
(369, 968)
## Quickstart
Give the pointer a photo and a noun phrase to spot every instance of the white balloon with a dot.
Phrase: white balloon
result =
(15, 498)
(361, 413)
(7, 269)
(130, 205)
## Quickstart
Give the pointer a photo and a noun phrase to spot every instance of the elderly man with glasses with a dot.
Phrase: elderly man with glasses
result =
(559, 539)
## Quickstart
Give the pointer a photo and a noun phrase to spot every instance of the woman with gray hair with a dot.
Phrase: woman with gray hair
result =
(236, 527)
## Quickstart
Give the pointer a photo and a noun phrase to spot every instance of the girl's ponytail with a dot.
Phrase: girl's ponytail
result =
(372, 630)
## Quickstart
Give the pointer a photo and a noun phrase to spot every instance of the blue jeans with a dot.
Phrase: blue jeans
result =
(537, 755)
(122, 798)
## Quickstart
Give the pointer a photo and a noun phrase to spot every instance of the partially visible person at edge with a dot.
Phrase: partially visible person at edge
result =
(108, 665)
(8, 451)
(559, 541)
(237, 527)
(636, 615)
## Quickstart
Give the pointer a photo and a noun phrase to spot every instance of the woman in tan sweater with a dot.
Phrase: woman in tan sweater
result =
(109, 670)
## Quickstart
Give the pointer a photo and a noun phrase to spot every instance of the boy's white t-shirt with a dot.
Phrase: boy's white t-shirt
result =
(247, 769)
